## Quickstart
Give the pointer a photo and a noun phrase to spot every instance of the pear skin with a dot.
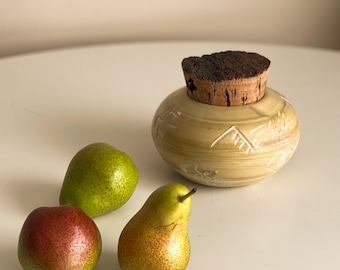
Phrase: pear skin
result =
(61, 237)
(156, 238)
(99, 179)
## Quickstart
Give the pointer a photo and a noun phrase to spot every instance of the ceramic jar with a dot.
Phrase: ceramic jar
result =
(225, 146)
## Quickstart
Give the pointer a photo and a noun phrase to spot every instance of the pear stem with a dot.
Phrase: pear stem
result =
(184, 197)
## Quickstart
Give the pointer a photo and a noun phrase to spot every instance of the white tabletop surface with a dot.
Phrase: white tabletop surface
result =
(54, 103)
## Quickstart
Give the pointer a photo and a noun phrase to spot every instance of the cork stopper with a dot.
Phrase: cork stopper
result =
(230, 78)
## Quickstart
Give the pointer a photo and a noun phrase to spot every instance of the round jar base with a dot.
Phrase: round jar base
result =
(226, 146)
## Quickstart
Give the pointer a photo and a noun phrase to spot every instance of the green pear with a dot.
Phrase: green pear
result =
(59, 238)
(99, 179)
(157, 236)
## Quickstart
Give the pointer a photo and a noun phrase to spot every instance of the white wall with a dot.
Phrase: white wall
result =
(27, 25)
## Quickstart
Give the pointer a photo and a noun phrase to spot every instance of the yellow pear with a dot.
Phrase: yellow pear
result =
(157, 236)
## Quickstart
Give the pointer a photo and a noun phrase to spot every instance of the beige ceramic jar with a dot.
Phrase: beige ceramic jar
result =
(229, 129)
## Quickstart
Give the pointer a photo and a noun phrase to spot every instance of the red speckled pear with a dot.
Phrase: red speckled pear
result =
(59, 238)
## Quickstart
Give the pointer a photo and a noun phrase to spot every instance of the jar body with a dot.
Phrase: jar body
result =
(225, 146)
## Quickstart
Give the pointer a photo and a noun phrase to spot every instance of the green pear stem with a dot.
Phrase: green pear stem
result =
(184, 197)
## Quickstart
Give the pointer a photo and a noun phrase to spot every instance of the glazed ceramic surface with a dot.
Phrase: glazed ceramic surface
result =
(226, 146)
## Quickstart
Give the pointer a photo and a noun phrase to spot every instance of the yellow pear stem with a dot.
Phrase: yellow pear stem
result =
(184, 197)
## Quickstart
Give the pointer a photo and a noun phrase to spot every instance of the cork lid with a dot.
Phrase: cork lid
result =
(229, 78)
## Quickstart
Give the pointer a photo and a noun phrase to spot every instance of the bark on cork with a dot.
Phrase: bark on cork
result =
(229, 78)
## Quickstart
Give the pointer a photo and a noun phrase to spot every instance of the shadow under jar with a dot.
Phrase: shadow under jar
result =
(226, 128)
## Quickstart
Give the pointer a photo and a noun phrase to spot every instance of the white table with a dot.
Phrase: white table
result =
(54, 103)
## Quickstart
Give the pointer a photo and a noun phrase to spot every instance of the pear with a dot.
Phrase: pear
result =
(59, 238)
(99, 179)
(157, 236)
